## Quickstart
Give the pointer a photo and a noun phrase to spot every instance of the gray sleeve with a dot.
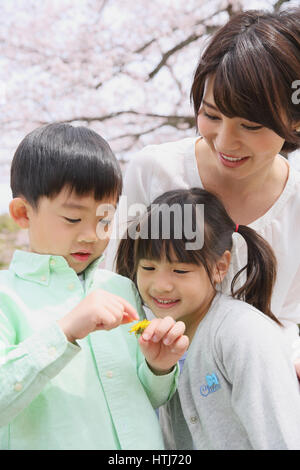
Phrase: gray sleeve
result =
(265, 388)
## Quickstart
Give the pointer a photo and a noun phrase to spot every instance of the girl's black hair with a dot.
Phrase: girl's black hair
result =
(60, 155)
(169, 241)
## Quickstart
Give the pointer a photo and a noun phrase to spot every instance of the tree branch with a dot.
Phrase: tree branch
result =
(172, 120)
(136, 135)
(193, 37)
(279, 3)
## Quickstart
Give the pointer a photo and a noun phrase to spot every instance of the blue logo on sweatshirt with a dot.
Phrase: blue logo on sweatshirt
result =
(212, 385)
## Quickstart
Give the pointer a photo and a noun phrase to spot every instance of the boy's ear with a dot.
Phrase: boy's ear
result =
(18, 209)
(221, 267)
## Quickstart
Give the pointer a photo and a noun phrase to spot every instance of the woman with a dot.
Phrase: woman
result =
(246, 114)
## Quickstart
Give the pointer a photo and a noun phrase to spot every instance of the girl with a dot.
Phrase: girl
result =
(238, 388)
(247, 111)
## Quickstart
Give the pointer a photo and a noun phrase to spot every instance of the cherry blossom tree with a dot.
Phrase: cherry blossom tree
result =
(122, 67)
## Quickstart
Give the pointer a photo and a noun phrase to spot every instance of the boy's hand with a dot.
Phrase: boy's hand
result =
(99, 310)
(163, 343)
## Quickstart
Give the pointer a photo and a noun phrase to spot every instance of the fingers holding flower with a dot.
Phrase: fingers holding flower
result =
(163, 343)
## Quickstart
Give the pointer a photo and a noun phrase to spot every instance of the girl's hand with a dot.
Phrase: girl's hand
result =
(99, 310)
(163, 343)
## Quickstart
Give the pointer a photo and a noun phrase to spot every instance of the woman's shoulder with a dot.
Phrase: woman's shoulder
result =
(294, 176)
(164, 152)
(285, 212)
(288, 204)
(159, 168)
(291, 191)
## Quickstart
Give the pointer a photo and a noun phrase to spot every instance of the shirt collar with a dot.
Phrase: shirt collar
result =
(38, 268)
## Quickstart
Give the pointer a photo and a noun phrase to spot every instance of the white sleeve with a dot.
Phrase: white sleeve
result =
(134, 199)
(291, 310)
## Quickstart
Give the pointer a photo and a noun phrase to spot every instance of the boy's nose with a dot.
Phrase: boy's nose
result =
(87, 240)
(89, 236)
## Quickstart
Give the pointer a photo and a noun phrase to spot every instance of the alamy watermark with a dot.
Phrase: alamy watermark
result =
(296, 94)
(165, 221)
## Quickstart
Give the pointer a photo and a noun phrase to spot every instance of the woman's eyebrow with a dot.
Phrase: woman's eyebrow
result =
(210, 105)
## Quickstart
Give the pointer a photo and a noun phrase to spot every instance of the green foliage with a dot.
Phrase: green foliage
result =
(9, 231)
(7, 225)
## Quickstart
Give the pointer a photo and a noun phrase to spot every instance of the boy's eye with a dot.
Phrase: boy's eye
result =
(72, 221)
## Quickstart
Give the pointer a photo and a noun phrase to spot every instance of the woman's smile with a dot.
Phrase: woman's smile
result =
(231, 161)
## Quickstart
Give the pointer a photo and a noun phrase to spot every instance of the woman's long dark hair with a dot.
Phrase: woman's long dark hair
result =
(254, 59)
(152, 236)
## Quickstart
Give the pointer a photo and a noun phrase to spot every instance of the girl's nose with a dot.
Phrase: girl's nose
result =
(163, 284)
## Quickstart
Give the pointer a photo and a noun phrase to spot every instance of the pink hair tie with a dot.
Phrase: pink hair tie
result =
(237, 228)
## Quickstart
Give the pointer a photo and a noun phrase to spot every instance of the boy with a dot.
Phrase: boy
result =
(71, 375)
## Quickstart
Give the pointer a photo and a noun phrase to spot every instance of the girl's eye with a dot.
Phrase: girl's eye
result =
(179, 271)
(211, 117)
(147, 268)
(72, 221)
(252, 128)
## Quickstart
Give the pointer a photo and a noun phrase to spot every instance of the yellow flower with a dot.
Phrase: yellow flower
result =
(139, 327)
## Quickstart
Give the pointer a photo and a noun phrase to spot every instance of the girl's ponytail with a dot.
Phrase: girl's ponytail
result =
(261, 273)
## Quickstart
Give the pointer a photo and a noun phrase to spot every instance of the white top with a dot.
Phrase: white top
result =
(164, 167)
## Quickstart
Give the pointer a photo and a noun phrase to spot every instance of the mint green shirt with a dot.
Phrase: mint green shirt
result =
(96, 394)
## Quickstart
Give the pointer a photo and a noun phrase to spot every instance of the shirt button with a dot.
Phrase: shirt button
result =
(109, 374)
(52, 262)
(193, 419)
(52, 351)
(43, 278)
(18, 387)
(71, 286)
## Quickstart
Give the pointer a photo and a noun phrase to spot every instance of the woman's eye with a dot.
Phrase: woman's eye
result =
(72, 221)
(252, 128)
(210, 116)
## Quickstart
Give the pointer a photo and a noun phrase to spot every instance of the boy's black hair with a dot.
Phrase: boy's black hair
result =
(61, 155)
